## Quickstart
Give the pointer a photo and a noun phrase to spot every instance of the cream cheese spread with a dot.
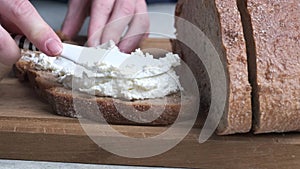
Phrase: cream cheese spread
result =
(140, 76)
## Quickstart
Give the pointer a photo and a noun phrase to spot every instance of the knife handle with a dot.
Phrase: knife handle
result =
(23, 42)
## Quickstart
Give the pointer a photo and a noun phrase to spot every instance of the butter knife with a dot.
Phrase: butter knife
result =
(85, 56)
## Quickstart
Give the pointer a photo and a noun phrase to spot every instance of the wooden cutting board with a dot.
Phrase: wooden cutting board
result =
(29, 131)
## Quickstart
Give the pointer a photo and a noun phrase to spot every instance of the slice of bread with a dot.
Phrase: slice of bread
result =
(272, 34)
(65, 102)
(220, 21)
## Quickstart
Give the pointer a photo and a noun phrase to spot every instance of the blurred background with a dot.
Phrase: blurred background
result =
(160, 12)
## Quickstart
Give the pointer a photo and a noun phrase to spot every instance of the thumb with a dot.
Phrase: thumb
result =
(9, 51)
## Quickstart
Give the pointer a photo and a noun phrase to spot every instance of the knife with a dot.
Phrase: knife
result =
(74, 52)
(132, 66)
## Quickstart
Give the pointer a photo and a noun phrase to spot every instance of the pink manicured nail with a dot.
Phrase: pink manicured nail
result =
(54, 46)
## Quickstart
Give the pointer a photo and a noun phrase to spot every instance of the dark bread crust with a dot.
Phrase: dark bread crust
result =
(221, 23)
(62, 100)
(163, 110)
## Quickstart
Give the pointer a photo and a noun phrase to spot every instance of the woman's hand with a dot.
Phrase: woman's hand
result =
(19, 16)
(108, 20)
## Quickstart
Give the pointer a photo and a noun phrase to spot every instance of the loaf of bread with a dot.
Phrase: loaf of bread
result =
(270, 30)
(274, 59)
(220, 21)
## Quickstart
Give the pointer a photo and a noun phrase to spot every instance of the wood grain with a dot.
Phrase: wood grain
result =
(29, 131)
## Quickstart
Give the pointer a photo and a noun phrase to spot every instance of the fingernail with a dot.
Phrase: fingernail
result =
(124, 48)
(54, 46)
(93, 42)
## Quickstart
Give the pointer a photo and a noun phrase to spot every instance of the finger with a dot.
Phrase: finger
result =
(100, 13)
(24, 15)
(76, 14)
(122, 14)
(130, 43)
(9, 51)
(138, 28)
(9, 26)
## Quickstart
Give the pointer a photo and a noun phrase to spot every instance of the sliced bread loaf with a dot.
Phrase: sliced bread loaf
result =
(220, 21)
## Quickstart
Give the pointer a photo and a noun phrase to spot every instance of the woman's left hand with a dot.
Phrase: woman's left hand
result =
(108, 20)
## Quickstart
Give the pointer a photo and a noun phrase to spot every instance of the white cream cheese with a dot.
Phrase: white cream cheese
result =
(154, 78)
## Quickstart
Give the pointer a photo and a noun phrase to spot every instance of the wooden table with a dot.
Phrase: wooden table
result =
(29, 131)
